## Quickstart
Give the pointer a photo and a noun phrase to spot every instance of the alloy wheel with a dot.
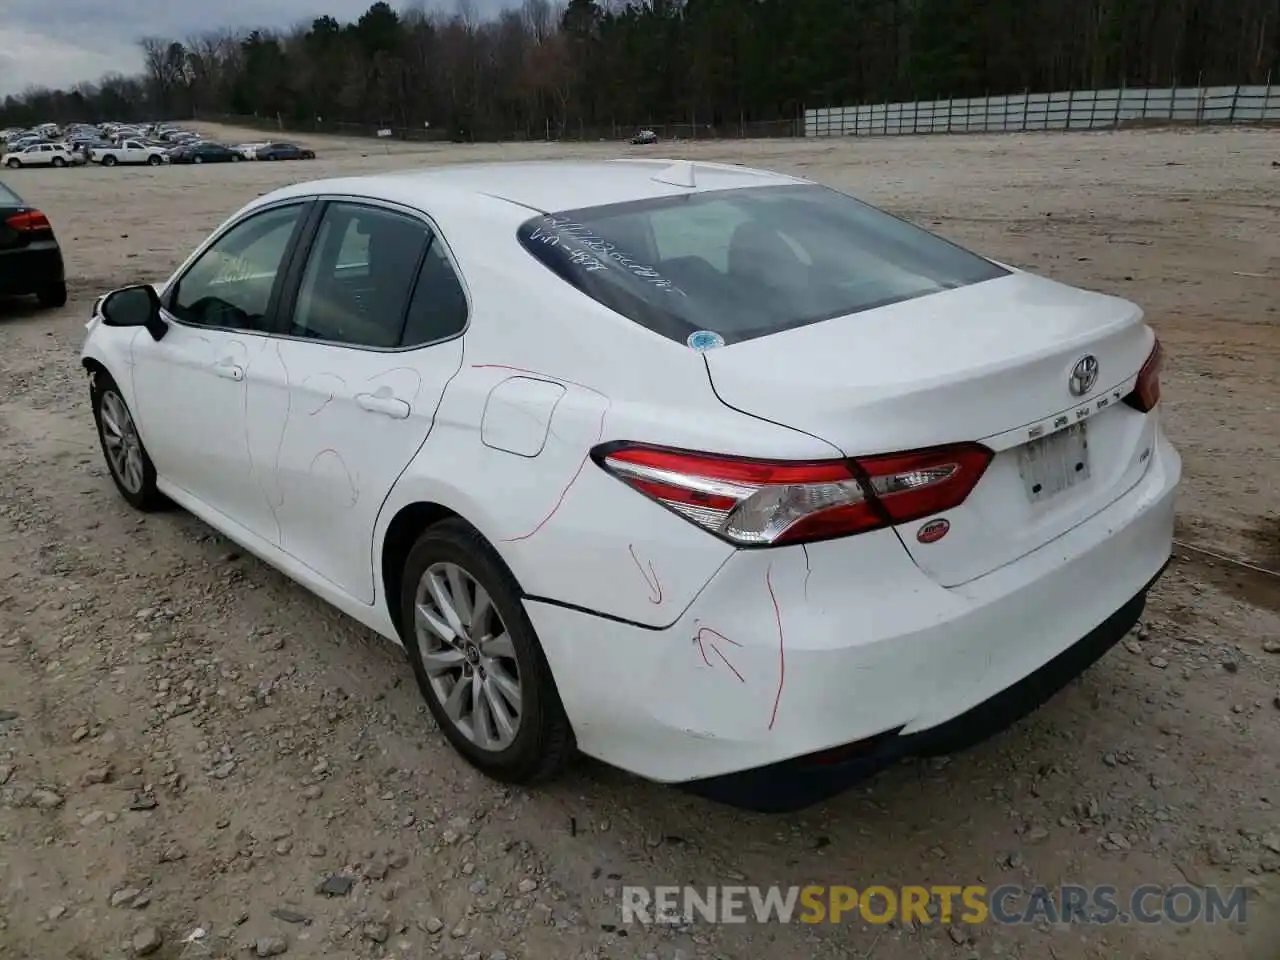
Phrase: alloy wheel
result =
(468, 655)
(124, 449)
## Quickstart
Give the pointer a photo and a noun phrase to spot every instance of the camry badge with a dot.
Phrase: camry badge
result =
(1083, 375)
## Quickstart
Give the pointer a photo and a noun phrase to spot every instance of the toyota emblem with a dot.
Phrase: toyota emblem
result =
(1083, 375)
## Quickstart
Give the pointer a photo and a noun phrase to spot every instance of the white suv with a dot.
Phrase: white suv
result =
(39, 155)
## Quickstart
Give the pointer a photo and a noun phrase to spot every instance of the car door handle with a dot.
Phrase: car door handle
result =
(226, 368)
(384, 404)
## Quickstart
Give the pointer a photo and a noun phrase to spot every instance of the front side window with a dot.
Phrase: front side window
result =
(360, 275)
(749, 262)
(230, 285)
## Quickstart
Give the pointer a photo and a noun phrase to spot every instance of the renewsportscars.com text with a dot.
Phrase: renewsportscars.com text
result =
(963, 904)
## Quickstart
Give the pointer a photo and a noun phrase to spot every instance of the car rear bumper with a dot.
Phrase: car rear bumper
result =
(790, 652)
(28, 269)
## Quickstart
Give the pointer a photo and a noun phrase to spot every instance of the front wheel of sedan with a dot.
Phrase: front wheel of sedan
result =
(131, 468)
(477, 659)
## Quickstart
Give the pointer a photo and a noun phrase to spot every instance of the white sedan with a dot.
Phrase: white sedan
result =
(714, 474)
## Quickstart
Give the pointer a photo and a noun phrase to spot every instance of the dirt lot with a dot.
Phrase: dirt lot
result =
(189, 741)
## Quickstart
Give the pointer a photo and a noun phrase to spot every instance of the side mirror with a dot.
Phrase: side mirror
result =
(137, 306)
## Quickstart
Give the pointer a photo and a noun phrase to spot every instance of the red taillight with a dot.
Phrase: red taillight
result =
(766, 502)
(1146, 392)
(924, 482)
(28, 220)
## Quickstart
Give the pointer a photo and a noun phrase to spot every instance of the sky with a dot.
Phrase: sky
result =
(58, 43)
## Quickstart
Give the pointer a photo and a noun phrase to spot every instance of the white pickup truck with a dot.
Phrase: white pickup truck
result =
(128, 151)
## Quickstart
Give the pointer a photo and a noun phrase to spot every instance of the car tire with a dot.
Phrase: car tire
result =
(137, 484)
(235, 158)
(59, 162)
(153, 160)
(541, 743)
(14, 163)
(109, 161)
(197, 159)
(52, 295)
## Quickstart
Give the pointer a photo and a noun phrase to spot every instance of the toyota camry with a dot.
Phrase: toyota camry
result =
(718, 475)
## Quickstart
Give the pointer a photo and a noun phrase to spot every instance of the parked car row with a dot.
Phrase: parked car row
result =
(112, 144)
(146, 152)
(274, 150)
(79, 136)
(209, 152)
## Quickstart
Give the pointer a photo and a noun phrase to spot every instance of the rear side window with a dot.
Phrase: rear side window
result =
(747, 263)
(359, 276)
(378, 278)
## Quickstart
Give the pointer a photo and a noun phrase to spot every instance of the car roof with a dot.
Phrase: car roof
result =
(550, 186)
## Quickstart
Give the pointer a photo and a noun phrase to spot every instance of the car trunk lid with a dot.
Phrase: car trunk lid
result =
(990, 362)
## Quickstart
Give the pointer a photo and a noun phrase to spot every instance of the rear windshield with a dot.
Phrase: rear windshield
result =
(8, 197)
(749, 262)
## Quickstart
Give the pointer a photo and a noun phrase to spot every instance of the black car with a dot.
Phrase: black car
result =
(30, 258)
(284, 151)
(204, 153)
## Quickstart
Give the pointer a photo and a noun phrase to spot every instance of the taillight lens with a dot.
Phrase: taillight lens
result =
(760, 503)
(1146, 392)
(28, 220)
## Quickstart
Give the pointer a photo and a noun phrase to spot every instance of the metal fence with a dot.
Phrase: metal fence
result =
(1069, 110)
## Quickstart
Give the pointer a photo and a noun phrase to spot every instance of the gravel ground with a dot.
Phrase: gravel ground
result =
(190, 744)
